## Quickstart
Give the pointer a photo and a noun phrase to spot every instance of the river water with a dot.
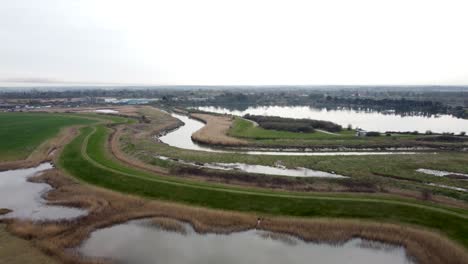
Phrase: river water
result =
(260, 169)
(181, 138)
(140, 242)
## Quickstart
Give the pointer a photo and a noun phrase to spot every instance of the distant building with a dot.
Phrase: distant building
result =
(361, 133)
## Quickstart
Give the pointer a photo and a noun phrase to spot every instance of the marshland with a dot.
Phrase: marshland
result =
(256, 131)
(160, 178)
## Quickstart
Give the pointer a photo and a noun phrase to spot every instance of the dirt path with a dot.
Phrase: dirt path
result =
(215, 131)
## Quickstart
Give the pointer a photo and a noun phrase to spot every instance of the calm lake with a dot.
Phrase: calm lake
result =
(367, 120)
(140, 242)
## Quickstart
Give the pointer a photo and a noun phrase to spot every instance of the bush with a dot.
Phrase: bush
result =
(372, 134)
(292, 124)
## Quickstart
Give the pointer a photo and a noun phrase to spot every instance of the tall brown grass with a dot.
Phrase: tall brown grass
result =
(107, 208)
(215, 131)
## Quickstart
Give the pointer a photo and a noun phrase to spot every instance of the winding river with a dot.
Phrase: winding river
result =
(181, 138)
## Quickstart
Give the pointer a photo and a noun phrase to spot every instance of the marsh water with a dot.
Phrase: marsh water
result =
(182, 138)
(141, 242)
(365, 119)
(441, 173)
(261, 169)
(106, 111)
(25, 198)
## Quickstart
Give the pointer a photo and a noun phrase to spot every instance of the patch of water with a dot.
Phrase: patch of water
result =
(140, 242)
(107, 111)
(260, 169)
(25, 198)
(441, 173)
(448, 187)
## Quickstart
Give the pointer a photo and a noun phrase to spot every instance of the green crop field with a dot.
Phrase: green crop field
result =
(21, 133)
(87, 159)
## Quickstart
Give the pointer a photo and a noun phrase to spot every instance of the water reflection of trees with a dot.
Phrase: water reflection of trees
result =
(381, 110)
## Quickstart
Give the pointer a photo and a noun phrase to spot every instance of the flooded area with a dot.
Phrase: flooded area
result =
(141, 242)
(24, 198)
(365, 119)
(182, 138)
(260, 169)
(443, 173)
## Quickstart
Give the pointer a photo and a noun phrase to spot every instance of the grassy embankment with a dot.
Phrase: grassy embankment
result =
(87, 159)
(21, 133)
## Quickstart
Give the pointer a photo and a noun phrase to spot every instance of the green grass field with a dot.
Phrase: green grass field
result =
(21, 133)
(245, 129)
(87, 159)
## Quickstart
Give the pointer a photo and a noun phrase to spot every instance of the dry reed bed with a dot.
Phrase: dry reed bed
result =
(215, 130)
(107, 208)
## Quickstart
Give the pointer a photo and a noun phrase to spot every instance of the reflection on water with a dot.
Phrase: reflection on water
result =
(182, 138)
(261, 169)
(371, 121)
(25, 198)
(140, 242)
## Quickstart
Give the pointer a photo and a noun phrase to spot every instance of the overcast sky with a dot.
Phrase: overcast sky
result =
(235, 42)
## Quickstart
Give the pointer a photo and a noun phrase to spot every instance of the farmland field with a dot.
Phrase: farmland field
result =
(21, 133)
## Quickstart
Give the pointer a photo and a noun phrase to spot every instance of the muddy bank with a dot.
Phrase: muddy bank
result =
(107, 208)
